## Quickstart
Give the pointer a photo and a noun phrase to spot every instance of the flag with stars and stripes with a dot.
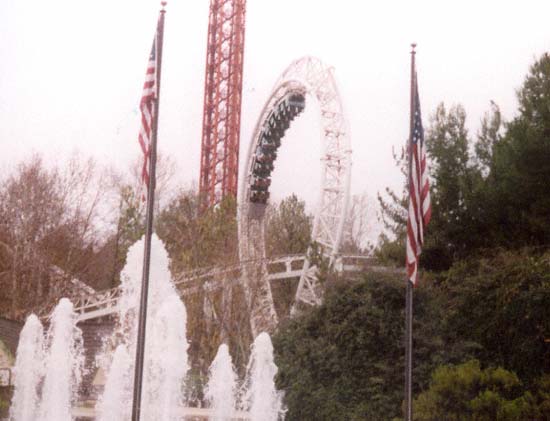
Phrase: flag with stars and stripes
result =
(147, 109)
(420, 208)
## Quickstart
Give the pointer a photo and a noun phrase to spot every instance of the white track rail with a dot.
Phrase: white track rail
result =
(311, 76)
(285, 267)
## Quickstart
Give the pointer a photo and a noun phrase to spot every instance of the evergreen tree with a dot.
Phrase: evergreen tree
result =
(288, 228)
(455, 188)
(487, 138)
(467, 392)
(502, 303)
(521, 165)
(456, 185)
(198, 240)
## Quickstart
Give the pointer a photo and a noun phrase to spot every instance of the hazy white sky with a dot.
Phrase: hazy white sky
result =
(71, 75)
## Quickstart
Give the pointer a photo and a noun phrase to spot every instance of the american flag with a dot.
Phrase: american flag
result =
(420, 208)
(147, 110)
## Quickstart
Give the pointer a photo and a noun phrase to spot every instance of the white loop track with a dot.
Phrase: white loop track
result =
(312, 77)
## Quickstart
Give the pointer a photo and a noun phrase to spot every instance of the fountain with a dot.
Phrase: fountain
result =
(28, 371)
(166, 362)
(57, 371)
(63, 365)
(222, 385)
(117, 388)
(46, 382)
(262, 400)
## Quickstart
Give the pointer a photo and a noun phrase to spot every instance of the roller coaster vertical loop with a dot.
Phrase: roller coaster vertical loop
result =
(307, 77)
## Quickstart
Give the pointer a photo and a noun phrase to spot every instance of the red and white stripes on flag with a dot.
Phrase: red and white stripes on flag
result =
(420, 208)
(147, 107)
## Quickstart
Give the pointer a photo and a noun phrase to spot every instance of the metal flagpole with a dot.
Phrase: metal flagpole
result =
(409, 293)
(408, 352)
(138, 373)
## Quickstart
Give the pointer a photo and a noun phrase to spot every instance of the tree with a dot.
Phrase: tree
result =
(358, 226)
(344, 360)
(48, 229)
(468, 392)
(179, 227)
(196, 240)
(455, 224)
(459, 221)
(130, 227)
(541, 395)
(488, 137)
(502, 303)
(288, 228)
(521, 165)
(165, 190)
(393, 215)
(218, 230)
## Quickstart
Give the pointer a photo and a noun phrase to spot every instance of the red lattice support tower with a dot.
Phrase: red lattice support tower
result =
(222, 101)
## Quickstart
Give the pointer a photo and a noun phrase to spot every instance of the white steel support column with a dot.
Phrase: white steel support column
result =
(311, 77)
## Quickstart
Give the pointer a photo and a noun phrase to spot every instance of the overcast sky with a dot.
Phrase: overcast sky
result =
(71, 75)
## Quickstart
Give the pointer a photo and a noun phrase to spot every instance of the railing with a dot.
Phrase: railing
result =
(95, 305)
(212, 279)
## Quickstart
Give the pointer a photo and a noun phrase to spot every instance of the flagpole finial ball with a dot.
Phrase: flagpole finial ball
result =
(163, 4)
(413, 45)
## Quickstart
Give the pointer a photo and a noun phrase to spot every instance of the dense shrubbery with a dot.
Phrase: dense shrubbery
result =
(487, 293)
(487, 296)
(503, 303)
(344, 360)
(468, 392)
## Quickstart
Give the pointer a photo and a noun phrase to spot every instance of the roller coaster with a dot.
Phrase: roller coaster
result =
(307, 79)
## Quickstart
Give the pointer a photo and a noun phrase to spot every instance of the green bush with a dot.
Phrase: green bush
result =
(467, 392)
(503, 303)
(345, 359)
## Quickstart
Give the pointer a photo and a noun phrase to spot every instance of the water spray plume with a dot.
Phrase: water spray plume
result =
(27, 371)
(261, 398)
(222, 385)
